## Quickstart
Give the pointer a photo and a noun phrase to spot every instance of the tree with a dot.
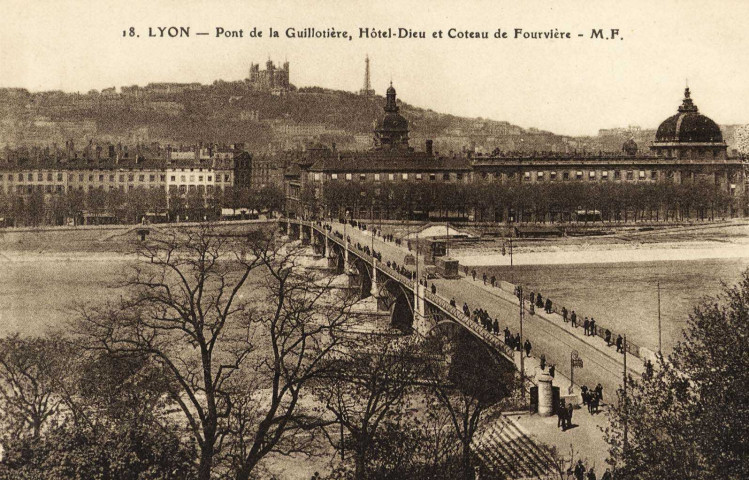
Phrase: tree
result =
(460, 385)
(687, 420)
(114, 424)
(237, 328)
(367, 383)
(29, 373)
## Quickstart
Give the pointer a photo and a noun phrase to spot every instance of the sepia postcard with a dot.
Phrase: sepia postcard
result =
(329, 240)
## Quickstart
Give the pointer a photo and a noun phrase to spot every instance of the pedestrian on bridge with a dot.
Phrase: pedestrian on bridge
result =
(507, 336)
(434, 289)
(573, 319)
(592, 327)
(496, 327)
(564, 314)
(552, 369)
(608, 337)
(527, 347)
(493, 280)
(452, 303)
(547, 306)
(539, 301)
(518, 344)
(619, 344)
(586, 326)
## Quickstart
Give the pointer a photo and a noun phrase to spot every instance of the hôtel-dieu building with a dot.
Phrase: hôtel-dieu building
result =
(688, 149)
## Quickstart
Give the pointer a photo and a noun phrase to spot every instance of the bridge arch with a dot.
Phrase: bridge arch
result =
(363, 277)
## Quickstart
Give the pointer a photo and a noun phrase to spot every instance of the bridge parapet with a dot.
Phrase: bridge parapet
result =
(474, 327)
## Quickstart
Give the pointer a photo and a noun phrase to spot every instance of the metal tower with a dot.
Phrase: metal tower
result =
(367, 90)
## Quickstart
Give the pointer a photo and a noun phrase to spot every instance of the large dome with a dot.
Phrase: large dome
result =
(689, 126)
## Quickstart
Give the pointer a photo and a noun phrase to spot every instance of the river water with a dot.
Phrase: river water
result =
(624, 296)
(38, 295)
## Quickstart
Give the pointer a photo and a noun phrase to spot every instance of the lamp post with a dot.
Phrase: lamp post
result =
(522, 357)
(512, 270)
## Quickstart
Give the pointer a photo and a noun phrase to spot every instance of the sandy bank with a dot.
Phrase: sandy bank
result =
(606, 254)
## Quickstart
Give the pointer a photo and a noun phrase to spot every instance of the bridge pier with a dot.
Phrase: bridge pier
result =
(375, 290)
(420, 323)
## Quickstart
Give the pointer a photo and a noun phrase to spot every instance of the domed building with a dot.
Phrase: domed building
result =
(392, 131)
(689, 134)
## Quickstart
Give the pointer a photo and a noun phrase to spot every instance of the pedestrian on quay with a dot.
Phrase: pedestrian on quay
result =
(569, 415)
(473, 273)
(591, 474)
(586, 325)
(493, 280)
(484, 276)
(533, 298)
(584, 394)
(606, 475)
(592, 327)
(547, 306)
(564, 314)
(608, 337)
(539, 301)
(527, 347)
(599, 392)
(518, 345)
(573, 318)
(579, 470)
(561, 413)
(552, 369)
(543, 362)
(619, 344)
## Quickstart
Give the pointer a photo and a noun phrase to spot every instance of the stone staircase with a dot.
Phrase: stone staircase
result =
(507, 452)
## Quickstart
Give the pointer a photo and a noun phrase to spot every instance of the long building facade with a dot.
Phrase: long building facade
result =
(688, 149)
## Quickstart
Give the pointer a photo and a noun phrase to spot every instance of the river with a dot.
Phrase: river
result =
(624, 296)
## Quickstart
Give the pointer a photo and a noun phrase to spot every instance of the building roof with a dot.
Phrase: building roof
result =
(388, 161)
(688, 125)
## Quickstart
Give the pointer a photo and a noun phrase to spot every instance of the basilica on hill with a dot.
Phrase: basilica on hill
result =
(688, 148)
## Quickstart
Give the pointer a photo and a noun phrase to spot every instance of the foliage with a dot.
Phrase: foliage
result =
(687, 420)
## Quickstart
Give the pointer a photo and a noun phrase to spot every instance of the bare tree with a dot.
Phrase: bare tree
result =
(466, 386)
(368, 382)
(238, 326)
(29, 374)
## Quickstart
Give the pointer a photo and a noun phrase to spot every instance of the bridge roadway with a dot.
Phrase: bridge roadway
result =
(548, 334)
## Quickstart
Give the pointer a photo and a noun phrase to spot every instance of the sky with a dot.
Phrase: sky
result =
(569, 86)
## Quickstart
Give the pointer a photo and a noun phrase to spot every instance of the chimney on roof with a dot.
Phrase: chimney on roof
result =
(429, 147)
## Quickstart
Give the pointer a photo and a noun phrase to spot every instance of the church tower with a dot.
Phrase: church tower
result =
(392, 131)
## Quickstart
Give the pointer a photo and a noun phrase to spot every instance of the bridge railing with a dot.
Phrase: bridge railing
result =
(466, 322)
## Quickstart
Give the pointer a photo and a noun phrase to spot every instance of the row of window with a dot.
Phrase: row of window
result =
(377, 177)
(40, 177)
(592, 175)
(23, 189)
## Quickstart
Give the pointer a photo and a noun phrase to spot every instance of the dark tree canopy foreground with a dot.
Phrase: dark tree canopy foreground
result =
(688, 419)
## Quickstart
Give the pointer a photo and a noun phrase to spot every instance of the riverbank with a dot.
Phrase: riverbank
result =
(596, 253)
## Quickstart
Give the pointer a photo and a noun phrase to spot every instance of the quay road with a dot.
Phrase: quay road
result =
(548, 334)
